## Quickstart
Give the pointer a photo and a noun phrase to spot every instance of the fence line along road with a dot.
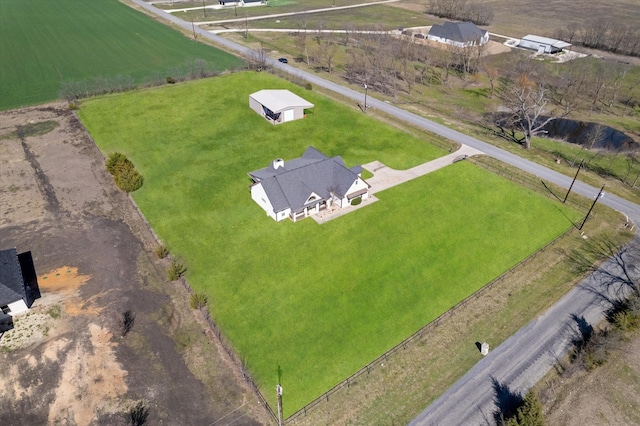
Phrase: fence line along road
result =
(418, 334)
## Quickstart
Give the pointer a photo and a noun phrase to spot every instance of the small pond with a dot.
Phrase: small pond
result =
(584, 133)
(591, 135)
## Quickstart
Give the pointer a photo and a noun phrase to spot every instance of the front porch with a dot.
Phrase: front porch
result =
(310, 210)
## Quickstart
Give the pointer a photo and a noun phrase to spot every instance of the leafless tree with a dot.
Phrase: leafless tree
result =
(479, 14)
(492, 74)
(614, 85)
(594, 135)
(569, 84)
(528, 103)
(594, 34)
(571, 32)
(257, 59)
(327, 49)
(301, 41)
(632, 160)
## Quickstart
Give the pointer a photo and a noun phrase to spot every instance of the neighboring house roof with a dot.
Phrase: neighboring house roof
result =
(279, 100)
(11, 283)
(458, 31)
(291, 184)
(545, 40)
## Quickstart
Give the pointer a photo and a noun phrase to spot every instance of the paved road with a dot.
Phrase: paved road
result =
(281, 15)
(523, 359)
(520, 361)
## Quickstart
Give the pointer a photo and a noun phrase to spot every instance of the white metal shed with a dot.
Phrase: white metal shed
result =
(542, 44)
(278, 106)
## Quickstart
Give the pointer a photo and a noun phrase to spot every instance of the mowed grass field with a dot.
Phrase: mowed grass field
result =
(313, 302)
(43, 43)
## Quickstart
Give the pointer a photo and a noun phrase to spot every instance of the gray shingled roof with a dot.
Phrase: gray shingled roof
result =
(11, 282)
(458, 31)
(290, 186)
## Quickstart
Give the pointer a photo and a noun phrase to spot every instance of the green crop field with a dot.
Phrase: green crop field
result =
(315, 302)
(43, 43)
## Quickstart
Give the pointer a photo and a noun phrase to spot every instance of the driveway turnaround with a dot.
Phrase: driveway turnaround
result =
(385, 177)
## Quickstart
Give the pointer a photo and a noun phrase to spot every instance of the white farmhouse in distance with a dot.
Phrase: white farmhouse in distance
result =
(459, 34)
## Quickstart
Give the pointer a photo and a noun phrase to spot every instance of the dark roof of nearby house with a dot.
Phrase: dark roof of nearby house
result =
(291, 185)
(458, 31)
(11, 282)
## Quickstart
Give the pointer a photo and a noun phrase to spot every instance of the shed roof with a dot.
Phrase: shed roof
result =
(545, 40)
(11, 282)
(458, 31)
(279, 100)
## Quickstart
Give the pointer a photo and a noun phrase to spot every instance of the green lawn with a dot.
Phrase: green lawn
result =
(43, 43)
(316, 301)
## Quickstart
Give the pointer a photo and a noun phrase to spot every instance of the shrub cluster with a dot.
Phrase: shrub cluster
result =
(591, 349)
(161, 251)
(529, 413)
(198, 300)
(124, 172)
(138, 414)
(176, 270)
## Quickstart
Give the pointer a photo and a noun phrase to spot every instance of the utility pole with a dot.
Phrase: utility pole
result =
(365, 98)
(279, 394)
(193, 28)
(600, 195)
(574, 181)
(204, 9)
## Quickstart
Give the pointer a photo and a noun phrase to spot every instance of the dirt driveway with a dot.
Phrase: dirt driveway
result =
(65, 361)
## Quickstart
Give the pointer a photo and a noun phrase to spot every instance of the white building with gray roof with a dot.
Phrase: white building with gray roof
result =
(460, 34)
(305, 186)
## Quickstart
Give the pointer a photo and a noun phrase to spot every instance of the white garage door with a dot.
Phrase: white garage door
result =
(288, 115)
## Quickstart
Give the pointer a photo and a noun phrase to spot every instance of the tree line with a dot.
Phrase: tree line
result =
(461, 10)
(603, 34)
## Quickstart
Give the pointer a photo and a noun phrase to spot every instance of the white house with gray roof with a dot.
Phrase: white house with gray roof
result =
(14, 294)
(459, 34)
(278, 106)
(304, 186)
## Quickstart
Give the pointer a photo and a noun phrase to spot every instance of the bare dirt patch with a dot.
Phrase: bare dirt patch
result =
(65, 361)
